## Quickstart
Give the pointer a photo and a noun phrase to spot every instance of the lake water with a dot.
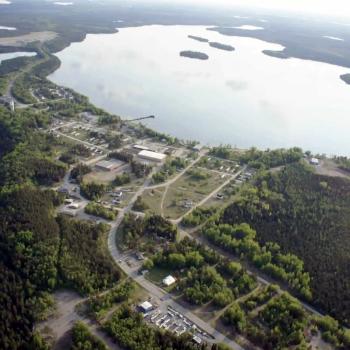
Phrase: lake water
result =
(9, 56)
(242, 98)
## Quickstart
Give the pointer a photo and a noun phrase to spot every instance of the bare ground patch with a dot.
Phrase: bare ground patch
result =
(23, 40)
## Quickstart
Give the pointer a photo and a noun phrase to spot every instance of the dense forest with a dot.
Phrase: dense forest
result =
(84, 262)
(307, 215)
(39, 252)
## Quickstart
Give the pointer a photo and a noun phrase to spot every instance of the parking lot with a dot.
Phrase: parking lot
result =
(170, 319)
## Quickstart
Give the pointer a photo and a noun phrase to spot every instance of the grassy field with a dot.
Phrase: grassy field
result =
(229, 194)
(223, 165)
(191, 189)
(153, 199)
(157, 274)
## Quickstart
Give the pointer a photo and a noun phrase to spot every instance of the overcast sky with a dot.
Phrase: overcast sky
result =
(331, 7)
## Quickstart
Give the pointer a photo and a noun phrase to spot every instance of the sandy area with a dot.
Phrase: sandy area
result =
(22, 40)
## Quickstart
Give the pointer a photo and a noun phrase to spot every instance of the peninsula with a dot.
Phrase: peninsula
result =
(345, 78)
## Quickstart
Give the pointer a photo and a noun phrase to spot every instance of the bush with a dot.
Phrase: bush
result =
(99, 210)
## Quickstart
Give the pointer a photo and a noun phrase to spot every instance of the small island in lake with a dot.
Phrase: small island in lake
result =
(277, 54)
(345, 78)
(194, 54)
(198, 38)
(221, 46)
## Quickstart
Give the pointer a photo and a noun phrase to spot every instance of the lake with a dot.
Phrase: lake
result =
(243, 97)
(9, 56)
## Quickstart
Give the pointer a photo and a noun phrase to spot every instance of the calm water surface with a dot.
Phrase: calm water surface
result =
(9, 56)
(242, 98)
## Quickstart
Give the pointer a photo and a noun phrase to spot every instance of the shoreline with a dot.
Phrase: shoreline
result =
(46, 47)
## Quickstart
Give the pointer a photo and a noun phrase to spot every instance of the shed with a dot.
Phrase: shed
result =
(169, 280)
(314, 161)
(146, 306)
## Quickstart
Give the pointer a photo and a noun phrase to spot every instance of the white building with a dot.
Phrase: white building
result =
(314, 161)
(141, 148)
(152, 156)
(169, 280)
(146, 306)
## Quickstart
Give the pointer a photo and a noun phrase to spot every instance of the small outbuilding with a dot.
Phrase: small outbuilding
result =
(197, 340)
(169, 280)
(146, 306)
(141, 147)
(314, 161)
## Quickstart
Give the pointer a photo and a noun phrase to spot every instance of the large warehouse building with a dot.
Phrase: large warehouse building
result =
(152, 156)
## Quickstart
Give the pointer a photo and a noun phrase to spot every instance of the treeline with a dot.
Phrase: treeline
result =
(154, 227)
(204, 275)
(99, 210)
(130, 331)
(198, 216)
(29, 241)
(26, 155)
(280, 324)
(332, 332)
(99, 305)
(259, 159)
(168, 169)
(343, 163)
(13, 65)
(83, 339)
(84, 262)
(36, 254)
(271, 158)
(307, 215)
(241, 241)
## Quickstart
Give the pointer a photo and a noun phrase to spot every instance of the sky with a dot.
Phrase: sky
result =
(325, 7)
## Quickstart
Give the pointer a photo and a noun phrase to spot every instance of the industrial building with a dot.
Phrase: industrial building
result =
(109, 165)
(152, 156)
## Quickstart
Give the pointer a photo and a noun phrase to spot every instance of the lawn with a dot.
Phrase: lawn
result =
(191, 189)
(157, 274)
(153, 199)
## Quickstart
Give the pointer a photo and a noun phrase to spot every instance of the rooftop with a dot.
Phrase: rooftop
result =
(151, 155)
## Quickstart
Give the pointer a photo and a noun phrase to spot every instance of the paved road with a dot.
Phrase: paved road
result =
(154, 290)
(263, 280)
(163, 296)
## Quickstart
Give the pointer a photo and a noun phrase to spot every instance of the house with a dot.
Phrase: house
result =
(169, 280)
(152, 156)
(145, 307)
